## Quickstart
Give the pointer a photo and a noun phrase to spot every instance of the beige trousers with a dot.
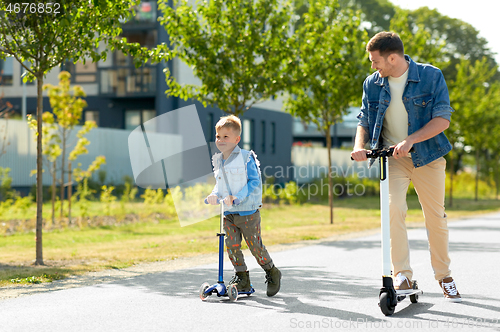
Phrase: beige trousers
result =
(429, 183)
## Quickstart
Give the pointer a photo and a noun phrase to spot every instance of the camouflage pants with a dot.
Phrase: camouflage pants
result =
(236, 227)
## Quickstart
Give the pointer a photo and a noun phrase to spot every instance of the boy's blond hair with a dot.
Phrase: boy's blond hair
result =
(230, 121)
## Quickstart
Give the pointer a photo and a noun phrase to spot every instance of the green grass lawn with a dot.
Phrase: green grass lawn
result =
(74, 250)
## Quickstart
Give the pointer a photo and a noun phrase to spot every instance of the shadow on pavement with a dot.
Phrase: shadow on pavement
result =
(417, 245)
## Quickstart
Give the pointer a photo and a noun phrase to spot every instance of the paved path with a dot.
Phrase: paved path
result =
(330, 286)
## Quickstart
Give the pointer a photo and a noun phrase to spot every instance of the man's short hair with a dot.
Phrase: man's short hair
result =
(230, 121)
(386, 43)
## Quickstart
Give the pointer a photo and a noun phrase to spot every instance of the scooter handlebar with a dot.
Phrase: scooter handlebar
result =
(235, 201)
(385, 152)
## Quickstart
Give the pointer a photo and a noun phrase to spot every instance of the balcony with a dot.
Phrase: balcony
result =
(128, 81)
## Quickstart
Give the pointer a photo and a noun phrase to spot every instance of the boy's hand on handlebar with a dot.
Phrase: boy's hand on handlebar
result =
(359, 155)
(212, 200)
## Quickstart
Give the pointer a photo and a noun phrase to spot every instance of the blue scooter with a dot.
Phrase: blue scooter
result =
(220, 288)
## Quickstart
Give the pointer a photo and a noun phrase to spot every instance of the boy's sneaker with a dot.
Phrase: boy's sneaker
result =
(402, 285)
(242, 281)
(450, 290)
(273, 280)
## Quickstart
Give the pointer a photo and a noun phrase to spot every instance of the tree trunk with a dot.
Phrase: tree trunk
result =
(477, 175)
(330, 181)
(497, 182)
(54, 168)
(62, 171)
(70, 189)
(39, 173)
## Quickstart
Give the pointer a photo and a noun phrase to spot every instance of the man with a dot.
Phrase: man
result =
(406, 105)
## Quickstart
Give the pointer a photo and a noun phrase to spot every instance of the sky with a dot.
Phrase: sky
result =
(481, 14)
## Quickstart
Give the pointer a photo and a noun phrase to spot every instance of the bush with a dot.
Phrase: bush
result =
(464, 186)
(152, 196)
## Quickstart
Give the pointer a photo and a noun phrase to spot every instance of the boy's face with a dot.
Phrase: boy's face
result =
(226, 139)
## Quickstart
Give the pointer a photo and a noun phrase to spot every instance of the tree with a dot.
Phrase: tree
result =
(236, 48)
(418, 42)
(5, 112)
(472, 98)
(45, 36)
(328, 68)
(376, 14)
(461, 40)
(67, 107)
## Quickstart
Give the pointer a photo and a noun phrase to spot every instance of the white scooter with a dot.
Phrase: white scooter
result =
(388, 296)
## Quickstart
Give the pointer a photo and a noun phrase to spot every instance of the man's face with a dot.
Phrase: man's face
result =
(226, 139)
(382, 64)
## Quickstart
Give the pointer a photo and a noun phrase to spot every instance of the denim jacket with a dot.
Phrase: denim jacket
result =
(235, 168)
(425, 97)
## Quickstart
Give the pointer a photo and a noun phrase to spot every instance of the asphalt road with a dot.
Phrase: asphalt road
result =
(330, 286)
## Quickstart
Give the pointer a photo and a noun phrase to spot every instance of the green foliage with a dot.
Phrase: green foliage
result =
(237, 48)
(419, 42)
(76, 33)
(476, 103)
(328, 68)
(80, 174)
(461, 39)
(84, 194)
(152, 196)
(41, 42)
(464, 186)
(5, 183)
(129, 193)
(107, 198)
(22, 204)
(329, 64)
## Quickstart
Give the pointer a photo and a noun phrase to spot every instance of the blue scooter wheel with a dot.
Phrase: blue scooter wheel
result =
(203, 288)
(232, 292)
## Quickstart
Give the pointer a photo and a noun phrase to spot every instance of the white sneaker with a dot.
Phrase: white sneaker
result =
(402, 285)
(450, 290)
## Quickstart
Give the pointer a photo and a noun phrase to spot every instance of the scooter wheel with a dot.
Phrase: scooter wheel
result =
(232, 292)
(203, 288)
(385, 304)
(414, 297)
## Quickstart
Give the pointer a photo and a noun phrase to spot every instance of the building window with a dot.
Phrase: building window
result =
(92, 116)
(83, 73)
(210, 137)
(118, 75)
(128, 81)
(134, 118)
(148, 115)
(248, 134)
(273, 137)
(6, 71)
(263, 130)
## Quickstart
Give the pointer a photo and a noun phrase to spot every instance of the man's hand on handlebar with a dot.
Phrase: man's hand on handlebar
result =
(402, 149)
(359, 155)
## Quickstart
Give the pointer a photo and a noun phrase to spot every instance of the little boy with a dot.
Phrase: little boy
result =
(237, 176)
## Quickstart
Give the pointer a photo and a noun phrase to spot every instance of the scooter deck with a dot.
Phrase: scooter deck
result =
(251, 291)
(406, 293)
(221, 290)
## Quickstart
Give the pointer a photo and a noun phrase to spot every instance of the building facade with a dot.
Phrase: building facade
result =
(120, 96)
